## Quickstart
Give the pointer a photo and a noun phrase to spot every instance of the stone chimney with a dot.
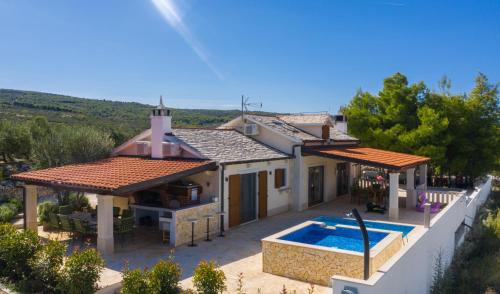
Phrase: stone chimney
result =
(161, 124)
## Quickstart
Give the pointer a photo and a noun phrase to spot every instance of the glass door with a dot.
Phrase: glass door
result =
(248, 204)
(342, 179)
(316, 184)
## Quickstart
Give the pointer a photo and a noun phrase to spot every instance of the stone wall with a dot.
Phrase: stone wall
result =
(315, 265)
(183, 226)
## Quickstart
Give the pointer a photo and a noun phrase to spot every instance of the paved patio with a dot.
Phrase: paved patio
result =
(239, 251)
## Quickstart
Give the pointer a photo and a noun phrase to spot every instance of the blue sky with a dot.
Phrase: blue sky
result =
(294, 56)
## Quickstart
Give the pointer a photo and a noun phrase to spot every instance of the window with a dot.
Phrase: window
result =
(279, 178)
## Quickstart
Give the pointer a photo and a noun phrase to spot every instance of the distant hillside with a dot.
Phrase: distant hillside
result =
(125, 118)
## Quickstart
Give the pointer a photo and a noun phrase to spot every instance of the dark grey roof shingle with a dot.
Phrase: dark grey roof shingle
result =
(337, 135)
(282, 127)
(227, 145)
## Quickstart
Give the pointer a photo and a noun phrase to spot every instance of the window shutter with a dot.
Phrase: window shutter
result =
(279, 178)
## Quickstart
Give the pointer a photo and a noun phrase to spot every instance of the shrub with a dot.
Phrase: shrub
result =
(164, 277)
(78, 201)
(16, 250)
(17, 204)
(208, 278)
(45, 208)
(134, 281)
(7, 213)
(81, 272)
(47, 264)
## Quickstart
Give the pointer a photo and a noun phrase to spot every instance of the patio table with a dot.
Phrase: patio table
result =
(85, 216)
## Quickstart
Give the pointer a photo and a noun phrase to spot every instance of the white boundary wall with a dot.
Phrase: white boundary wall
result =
(411, 270)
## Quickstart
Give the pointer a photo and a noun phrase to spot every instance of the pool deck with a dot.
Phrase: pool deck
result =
(238, 252)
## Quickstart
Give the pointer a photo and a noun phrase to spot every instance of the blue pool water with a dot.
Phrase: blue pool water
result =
(332, 221)
(341, 238)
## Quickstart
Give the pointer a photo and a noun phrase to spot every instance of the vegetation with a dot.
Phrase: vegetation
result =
(81, 272)
(460, 133)
(208, 278)
(35, 267)
(163, 278)
(121, 120)
(476, 265)
(44, 209)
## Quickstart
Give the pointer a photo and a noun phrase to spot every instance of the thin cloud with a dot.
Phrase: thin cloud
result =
(172, 15)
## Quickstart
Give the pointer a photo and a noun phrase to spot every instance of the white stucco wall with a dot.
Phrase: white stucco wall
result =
(330, 178)
(278, 200)
(411, 270)
(315, 130)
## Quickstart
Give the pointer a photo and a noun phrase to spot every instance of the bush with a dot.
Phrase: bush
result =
(45, 208)
(78, 201)
(134, 281)
(16, 250)
(16, 204)
(47, 264)
(208, 278)
(81, 272)
(7, 212)
(164, 277)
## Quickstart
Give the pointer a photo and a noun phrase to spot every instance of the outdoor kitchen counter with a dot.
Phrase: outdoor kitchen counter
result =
(177, 220)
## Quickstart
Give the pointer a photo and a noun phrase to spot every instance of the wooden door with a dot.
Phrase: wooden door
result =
(262, 194)
(234, 200)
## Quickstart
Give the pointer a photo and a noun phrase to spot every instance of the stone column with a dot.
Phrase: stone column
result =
(393, 196)
(30, 198)
(299, 182)
(411, 194)
(105, 240)
(423, 175)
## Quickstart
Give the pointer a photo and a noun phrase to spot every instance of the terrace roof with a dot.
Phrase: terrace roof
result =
(115, 175)
(368, 156)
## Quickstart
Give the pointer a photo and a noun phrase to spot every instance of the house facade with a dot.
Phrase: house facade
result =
(245, 170)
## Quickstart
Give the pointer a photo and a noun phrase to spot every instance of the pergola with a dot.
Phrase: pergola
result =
(395, 162)
(116, 176)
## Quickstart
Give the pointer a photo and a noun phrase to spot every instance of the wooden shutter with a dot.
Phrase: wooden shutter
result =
(279, 178)
(262, 194)
(234, 200)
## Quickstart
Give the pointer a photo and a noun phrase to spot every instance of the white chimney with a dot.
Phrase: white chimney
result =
(161, 124)
(340, 123)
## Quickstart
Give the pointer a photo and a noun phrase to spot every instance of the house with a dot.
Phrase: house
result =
(247, 169)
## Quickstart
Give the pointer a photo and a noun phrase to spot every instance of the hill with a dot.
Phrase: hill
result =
(122, 119)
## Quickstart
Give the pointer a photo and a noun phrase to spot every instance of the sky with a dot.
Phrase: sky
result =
(291, 55)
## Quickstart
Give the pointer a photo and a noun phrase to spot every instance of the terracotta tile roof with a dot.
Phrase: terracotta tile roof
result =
(369, 156)
(114, 175)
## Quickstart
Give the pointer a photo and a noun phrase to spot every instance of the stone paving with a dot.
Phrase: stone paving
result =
(238, 252)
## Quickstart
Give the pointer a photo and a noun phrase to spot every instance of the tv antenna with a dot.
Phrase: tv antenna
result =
(245, 104)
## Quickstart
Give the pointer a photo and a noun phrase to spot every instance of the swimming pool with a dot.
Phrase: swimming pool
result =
(334, 237)
(332, 221)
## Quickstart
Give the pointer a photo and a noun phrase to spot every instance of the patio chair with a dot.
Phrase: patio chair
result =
(83, 228)
(65, 209)
(123, 227)
(127, 213)
(54, 221)
(116, 211)
(67, 224)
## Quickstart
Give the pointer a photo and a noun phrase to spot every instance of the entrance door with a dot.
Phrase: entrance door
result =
(248, 204)
(342, 179)
(262, 194)
(234, 200)
(316, 175)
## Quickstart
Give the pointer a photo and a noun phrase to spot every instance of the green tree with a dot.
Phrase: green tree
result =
(15, 140)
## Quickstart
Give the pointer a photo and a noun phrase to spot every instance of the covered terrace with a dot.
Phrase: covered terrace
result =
(394, 162)
(107, 179)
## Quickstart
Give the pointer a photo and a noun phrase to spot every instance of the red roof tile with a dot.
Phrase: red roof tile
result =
(114, 174)
(369, 156)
